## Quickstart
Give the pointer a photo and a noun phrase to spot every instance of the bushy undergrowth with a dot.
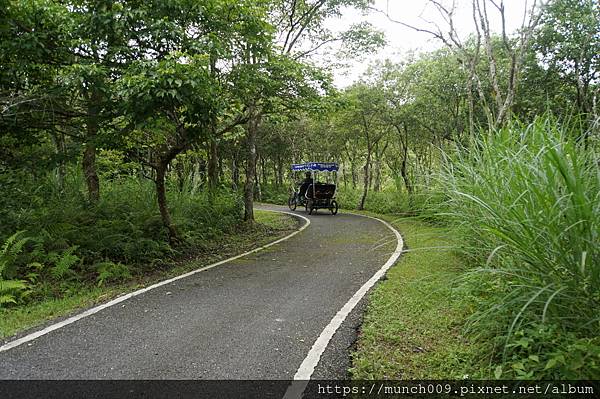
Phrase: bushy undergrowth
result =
(68, 241)
(275, 194)
(390, 200)
(527, 200)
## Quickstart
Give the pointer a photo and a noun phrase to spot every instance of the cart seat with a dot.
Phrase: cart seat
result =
(321, 191)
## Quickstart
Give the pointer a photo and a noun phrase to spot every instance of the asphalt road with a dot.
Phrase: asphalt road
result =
(253, 318)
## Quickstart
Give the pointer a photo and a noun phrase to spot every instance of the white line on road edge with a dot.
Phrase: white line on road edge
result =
(89, 312)
(307, 368)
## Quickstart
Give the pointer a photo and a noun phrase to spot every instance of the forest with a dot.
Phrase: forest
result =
(137, 135)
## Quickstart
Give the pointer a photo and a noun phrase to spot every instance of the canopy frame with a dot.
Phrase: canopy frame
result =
(316, 166)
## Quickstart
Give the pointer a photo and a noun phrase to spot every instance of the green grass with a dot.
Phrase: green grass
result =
(413, 327)
(269, 227)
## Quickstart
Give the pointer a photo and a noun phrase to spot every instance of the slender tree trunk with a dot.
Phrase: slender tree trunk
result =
(235, 172)
(180, 171)
(89, 152)
(161, 196)
(61, 169)
(213, 163)
(404, 174)
(251, 132)
(366, 170)
(89, 163)
(264, 169)
(279, 172)
(354, 175)
(258, 186)
(377, 182)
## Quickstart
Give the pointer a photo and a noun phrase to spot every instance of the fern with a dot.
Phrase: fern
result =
(109, 271)
(64, 262)
(11, 249)
(9, 289)
(6, 298)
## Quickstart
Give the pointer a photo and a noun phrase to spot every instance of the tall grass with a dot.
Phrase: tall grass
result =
(527, 200)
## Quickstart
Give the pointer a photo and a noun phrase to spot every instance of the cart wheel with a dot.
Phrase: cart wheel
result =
(334, 207)
(292, 202)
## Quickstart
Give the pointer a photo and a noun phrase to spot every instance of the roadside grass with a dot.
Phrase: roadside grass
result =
(413, 326)
(269, 227)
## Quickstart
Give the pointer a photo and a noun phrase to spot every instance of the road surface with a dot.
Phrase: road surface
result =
(256, 317)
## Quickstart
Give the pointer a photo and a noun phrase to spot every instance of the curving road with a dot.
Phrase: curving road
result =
(256, 317)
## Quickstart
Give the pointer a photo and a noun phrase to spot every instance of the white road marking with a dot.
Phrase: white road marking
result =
(96, 309)
(307, 368)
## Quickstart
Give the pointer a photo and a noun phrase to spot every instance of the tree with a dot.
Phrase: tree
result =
(300, 34)
(171, 103)
(34, 41)
(177, 101)
(568, 43)
(495, 48)
(362, 117)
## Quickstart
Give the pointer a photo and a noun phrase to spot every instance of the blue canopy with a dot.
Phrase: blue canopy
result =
(319, 166)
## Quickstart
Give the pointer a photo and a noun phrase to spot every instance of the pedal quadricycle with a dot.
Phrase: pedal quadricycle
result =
(311, 193)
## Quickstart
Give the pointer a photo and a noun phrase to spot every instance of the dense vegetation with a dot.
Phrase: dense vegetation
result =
(133, 133)
(117, 120)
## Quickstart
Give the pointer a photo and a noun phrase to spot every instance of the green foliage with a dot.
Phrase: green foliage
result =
(73, 242)
(527, 200)
(63, 262)
(544, 352)
(110, 271)
(12, 248)
(10, 289)
(274, 194)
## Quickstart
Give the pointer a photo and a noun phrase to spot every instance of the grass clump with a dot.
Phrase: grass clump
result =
(527, 203)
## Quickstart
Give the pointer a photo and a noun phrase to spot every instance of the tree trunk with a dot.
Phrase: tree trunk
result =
(61, 169)
(235, 172)
(161, 196)
(258, 186)
(180, 171)
(251, 132)
(377, 183)
(404, 174)
(366, 170)
(89, 153)
(279, 172)
(213, 163)
(371, 176)
(264, 169)
(89, 171)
